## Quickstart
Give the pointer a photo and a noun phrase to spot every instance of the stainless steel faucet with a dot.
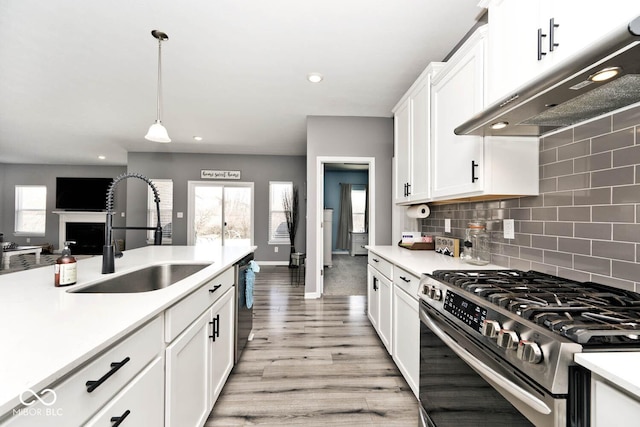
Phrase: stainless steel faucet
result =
(108, 250)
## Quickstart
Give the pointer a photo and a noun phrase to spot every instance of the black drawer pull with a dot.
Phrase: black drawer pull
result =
(474, 165)
(120, 419)
(215, 331)
(405, 279)
(215, 288)
(92, 385)
(375, 260)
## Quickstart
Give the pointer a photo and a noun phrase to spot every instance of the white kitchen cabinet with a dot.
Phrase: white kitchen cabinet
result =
(221, 344)
(140, 403)
(412, 140)
(528, 38)
(605, 397)
(188, 374)
(406, 327)
(380, 298)
(468, 166)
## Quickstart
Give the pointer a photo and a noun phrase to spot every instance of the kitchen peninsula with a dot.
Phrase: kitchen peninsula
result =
(49, 333)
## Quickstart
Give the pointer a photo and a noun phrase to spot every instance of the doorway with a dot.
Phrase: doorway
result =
(220, 213)
(342, 246)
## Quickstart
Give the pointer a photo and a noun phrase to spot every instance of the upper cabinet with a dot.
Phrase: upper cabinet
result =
(529, 37)
(467, 167)
(412, 117)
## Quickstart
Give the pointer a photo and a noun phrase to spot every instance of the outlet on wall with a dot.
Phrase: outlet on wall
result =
(447, 225)
(275, 249)
(509, 229)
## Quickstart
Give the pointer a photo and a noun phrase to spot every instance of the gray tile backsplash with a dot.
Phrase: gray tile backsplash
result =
(585, 224)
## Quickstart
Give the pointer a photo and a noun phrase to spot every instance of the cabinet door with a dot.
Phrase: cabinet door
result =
(402, 123)
(457, 95)
(187, 376)
(385, 296)
(605, 397)
(419, 180)
(373, 297)
(222, 343)
(406, 337)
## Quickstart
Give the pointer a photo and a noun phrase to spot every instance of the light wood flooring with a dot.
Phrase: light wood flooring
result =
(312, 363)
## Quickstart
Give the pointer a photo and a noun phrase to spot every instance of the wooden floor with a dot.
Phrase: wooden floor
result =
(312, 363)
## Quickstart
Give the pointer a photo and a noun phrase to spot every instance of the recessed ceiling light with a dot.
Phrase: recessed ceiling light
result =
(315, 77)
(499, 125)
(197, 138)
(605, 74)
(101, 157)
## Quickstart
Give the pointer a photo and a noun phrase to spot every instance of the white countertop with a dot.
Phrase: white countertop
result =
(419, 262)
(46, 331)
(619, 368)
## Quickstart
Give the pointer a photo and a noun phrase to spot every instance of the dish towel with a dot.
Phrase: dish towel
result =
(250, 277)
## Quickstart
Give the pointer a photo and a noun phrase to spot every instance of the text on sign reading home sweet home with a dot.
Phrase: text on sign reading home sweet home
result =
(213, 174)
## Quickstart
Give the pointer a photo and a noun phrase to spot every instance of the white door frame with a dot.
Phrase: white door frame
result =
(320, 162)
(191, 200)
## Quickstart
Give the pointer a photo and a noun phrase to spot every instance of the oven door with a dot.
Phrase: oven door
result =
(462, 385)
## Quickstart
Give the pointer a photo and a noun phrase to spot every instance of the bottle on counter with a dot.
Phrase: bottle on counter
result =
(66, 270)
(477, 250)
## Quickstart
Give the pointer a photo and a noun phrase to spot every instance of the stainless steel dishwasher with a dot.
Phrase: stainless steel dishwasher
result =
(244, 315)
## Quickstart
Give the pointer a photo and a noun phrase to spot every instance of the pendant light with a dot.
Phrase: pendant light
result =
(157, 132)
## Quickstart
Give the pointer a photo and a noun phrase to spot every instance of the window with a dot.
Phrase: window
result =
(31, 210)
(165, 191)
(358, 205)
(278, 232)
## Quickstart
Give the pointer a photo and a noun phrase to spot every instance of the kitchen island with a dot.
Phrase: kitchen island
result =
(49, 332)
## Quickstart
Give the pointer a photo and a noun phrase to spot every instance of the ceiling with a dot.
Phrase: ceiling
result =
(78, 78)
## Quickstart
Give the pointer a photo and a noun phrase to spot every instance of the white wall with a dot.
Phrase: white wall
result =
(347, 137)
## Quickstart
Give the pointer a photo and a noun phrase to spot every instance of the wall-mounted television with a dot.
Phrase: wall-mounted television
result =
(82, 194)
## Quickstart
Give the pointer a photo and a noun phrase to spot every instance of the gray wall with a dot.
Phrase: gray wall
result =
(585, 224)
(35, 174)
(182, 168)
(348, 137)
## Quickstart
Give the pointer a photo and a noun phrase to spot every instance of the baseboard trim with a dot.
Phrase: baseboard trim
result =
(312, 295)
(272, 262)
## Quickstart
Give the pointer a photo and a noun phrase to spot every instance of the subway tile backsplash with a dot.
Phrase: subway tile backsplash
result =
(585, 224)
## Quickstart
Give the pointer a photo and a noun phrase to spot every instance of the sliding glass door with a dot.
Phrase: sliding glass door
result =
(220, 214)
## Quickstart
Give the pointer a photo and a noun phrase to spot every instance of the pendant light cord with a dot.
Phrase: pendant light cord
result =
(159, 96)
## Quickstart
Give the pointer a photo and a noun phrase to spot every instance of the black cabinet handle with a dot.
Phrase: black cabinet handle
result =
(215, 331)
(215, 288)
(474, 165)
(408, 189)
(540, 36)
(118, 420)
(375, 283)
(375, 260)
(405, 279)
(552, 32)
(92, 385)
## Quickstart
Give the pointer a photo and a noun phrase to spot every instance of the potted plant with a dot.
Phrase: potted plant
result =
(291, 207)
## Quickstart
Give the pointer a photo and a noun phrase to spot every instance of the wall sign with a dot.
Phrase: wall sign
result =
(213, 174)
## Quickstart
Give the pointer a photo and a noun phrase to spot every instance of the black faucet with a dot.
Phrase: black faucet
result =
(108, 250)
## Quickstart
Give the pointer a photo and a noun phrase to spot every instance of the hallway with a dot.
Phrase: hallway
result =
(312, 363)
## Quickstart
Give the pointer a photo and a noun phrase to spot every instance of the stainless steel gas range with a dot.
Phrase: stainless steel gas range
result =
(497, 346)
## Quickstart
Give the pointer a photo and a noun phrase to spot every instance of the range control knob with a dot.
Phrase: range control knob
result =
(490, 328)
(434, 293)
(508, 339)
(529, 351)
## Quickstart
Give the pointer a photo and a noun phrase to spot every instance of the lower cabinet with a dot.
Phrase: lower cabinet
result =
(379, 304)
(198, 363)
(605, 397)
(406, 327)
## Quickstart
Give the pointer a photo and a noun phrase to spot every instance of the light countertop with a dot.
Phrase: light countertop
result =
(621, 368)
(46, 331)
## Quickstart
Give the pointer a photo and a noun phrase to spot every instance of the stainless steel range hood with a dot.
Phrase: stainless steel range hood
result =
(564, 95)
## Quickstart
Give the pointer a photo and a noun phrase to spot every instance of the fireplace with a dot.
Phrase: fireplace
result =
(87, 230)
(89, 237)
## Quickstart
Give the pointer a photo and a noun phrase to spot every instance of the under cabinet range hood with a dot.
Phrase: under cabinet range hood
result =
(569, 93)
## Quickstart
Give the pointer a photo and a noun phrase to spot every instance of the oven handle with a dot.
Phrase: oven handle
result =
(513, 389)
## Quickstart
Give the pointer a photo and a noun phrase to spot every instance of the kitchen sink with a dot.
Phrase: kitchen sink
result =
(144, 280)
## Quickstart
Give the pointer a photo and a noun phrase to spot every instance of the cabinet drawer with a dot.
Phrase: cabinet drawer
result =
(406, 281)
(359, 238)
(141, 402)
(182, 314)
(74, 404)
(381, 264)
